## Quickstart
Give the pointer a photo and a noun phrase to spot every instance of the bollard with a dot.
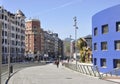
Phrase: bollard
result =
(11, 69)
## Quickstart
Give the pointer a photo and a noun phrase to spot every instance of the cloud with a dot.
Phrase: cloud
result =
(65, 5)
(59, 7)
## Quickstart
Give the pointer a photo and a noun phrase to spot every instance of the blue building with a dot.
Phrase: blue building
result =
(106, 39)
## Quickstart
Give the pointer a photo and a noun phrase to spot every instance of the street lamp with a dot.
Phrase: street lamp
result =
(75, 25)
(9, 50)
(70, 47)
(0, 49)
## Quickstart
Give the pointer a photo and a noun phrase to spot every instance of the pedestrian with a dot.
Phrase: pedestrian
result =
(62, 62)
(57, 63)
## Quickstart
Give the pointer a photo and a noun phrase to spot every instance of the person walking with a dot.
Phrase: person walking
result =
(57, 63)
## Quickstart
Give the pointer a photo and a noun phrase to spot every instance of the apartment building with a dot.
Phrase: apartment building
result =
(13, 35)
(40, 43)
(34, 39)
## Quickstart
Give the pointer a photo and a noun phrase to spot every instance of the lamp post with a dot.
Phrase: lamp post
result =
(9, 50)
(75, 25)
(70, 47)
(0, 49)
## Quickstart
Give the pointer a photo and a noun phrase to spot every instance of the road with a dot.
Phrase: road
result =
(50, 74)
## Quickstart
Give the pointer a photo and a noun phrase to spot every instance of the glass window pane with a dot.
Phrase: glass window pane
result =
(104, 29)
(118, 26)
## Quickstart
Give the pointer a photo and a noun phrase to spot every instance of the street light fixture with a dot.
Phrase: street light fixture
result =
(75, 25)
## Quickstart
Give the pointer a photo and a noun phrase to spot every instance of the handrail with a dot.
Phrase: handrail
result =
(84, 69)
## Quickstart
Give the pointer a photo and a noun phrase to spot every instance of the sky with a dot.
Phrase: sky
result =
(57, 15)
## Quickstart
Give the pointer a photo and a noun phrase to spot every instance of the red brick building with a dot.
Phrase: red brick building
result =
(34, 44)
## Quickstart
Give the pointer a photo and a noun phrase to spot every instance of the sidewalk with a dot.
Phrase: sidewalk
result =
(17, 67)
(50, 74)
(113, 79)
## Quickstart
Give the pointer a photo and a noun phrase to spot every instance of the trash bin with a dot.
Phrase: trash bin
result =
(11, 69)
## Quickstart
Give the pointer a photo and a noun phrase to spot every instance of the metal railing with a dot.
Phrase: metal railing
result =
(84, 69)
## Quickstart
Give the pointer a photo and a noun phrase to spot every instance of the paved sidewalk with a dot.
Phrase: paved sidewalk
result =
(50, 74)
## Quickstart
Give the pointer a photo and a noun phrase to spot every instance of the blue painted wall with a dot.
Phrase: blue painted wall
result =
(108, 16)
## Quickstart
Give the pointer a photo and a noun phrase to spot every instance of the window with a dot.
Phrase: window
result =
(104, 46)
(18, 30)
(34, 27)
(13, 35)
(5, 17)
(12, 28)
(13, 42)
(104, 29)
(95, 31)
(118, 26)
(18, 36)
(2, 16)
(5, 49)
(18, 23)
(95, 61)
(95, 46)
(2, 25)
(35, 39)
(117, 45)
(12, 50)
(5, 41)
(18, 43)
(16, 50)
(103, 62)
(116, 63)
(5, 33)
(5, 25)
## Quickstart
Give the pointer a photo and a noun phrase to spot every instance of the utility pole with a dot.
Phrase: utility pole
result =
(75, 25)
(0, 49)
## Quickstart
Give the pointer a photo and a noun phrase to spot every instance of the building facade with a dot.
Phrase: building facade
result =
(56, 42)
(13, 35)
(106, 39)
(88, 40)
(34, 39)
(60, 48)
(40, 43)
(49, 44)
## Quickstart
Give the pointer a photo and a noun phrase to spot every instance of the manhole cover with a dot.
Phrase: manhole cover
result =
(68, 78)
